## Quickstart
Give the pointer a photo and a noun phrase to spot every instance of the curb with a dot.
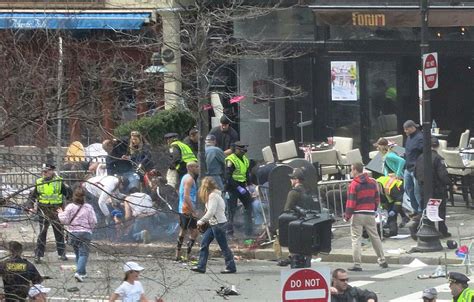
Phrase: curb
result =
(246, 253)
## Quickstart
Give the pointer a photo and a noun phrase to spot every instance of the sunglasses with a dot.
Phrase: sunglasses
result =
(344, 280)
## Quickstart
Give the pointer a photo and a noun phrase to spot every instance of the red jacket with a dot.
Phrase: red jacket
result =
(362, 196)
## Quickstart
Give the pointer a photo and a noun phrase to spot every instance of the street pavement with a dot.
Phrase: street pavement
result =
(258, 277)
(256, 280)
(397, 251)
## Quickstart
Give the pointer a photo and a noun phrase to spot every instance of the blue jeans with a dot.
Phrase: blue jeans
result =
(218, 232)
(143, 223)
(80, 242)
(413, 191)
(257, 212)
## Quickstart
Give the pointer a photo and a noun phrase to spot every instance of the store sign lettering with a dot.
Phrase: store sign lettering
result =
(368, 19)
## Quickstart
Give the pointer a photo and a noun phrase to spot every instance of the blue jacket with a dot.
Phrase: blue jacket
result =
(393, 164)
(413, 149)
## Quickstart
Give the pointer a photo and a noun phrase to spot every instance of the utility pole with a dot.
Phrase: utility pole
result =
(426, 107)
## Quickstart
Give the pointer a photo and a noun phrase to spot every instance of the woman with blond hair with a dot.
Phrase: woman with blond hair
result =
(210, 195)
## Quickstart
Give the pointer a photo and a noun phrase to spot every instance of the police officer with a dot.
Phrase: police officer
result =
(459, 288)
(180, 154)
(17, 274)
(391, 195)
(440, 182)
(237, 172)
(48, 196)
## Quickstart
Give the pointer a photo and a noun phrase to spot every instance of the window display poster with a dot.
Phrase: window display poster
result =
(344, 81)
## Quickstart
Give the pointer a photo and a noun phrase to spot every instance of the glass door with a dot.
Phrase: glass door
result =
(383, 107)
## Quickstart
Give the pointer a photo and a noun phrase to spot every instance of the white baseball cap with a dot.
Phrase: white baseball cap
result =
(132, 266)
(37, 289)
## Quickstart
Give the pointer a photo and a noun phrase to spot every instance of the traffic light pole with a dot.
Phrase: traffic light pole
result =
(426, 107)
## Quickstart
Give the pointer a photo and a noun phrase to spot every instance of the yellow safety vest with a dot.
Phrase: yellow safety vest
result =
(388, 183)
(187, 154)
(49, 191)
(466, 295)
(241, 167)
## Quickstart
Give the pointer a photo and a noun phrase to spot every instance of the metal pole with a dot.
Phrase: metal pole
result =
(426, 106)
(59, 113)
(301, 126)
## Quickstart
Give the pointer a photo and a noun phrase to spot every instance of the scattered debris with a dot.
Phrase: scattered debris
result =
(226, 291)
(398, 251)
(440, 272)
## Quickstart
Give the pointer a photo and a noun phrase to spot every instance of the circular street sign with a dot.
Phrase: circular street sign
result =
(305, 285)
(430, 71)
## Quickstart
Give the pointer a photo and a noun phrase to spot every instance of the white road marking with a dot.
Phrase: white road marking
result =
(360, 283)
(396, 273)
(417, 295)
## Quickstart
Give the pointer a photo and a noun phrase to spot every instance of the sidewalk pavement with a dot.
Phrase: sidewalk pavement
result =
(459, 221)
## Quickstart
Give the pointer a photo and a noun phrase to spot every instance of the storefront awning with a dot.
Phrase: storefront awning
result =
(394, 17)
(117, 21)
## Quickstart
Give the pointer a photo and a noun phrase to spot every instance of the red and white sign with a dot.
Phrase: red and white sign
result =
(306, 284)
(430, 71)
(432, 209)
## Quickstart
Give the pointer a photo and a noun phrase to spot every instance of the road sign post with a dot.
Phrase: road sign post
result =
(305, 285)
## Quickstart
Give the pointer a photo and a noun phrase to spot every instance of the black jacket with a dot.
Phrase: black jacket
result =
(114, 162)
(17, 273)
(354, 294)
(298, 197)
(224, 140)
(440, 174)
(413, 149)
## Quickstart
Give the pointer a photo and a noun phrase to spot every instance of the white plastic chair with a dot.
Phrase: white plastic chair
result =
(286, 151)
(328, 161)
(464, 139)
(268, 154)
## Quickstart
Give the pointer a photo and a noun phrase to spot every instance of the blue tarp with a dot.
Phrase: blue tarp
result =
(118, 21)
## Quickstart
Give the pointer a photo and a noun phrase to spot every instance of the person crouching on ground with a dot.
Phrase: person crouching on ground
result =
(80, 219)
(210, 195)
